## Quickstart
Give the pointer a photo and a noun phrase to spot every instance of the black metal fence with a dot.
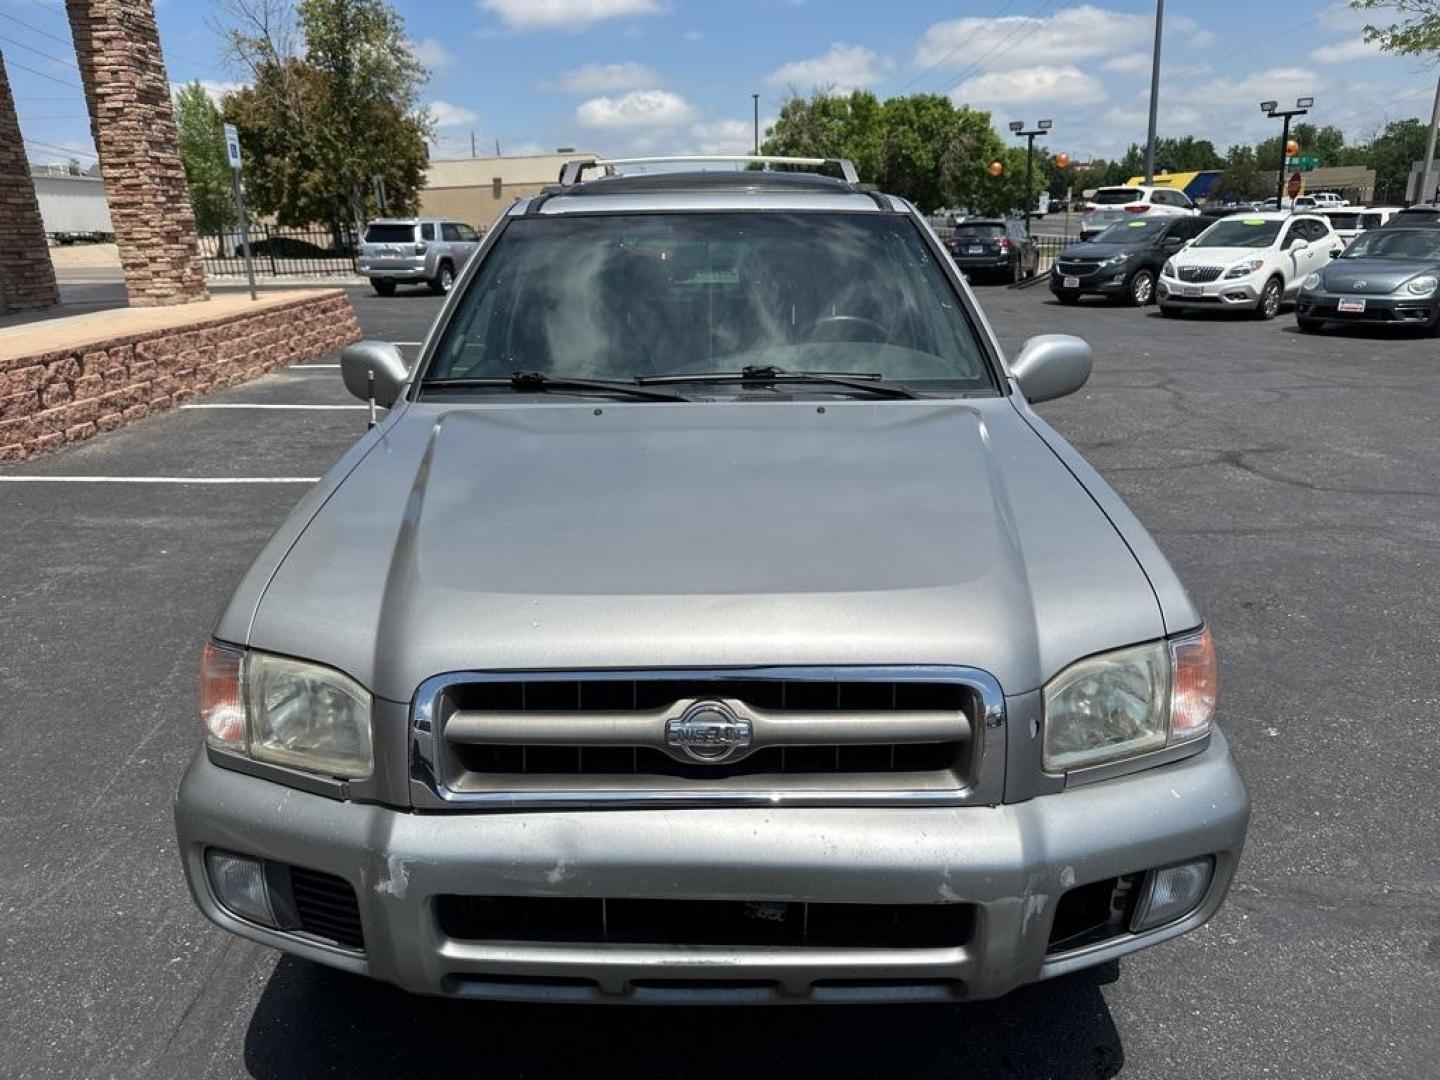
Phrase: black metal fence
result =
(280, 252)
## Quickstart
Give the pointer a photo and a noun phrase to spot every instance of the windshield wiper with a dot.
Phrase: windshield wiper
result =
(537, 381)
(765, 375)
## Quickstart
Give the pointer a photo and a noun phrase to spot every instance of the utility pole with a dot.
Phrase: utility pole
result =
(472, 142)
(1154, 94)
(1425, 194)
(1041, 128)
(497, 148)
(755, 101)
(1272, 109)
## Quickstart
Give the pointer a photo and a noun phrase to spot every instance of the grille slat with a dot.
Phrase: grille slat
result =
(326, 907)
(1199, 274)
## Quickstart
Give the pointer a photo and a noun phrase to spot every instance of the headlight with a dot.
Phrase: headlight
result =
(1422, 286)
(1168, 270)
(1240, 270)
(287, 712)
(1312, 281)
(1117, 260)
(1132, 701)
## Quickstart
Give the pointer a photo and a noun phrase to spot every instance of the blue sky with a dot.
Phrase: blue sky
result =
(623, 76)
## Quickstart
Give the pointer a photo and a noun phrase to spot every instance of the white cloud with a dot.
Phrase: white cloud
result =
(568, 15)
(844, 67)
(1275, 84)
(1202, 39)
(432, 53)
(446, 115)
(639, 108)
(218, 90)
(723, 137)
(1129, 64)
(1049, 84)
(1071, 34)
(1341, 16)
(600, 78)
(1341, 51)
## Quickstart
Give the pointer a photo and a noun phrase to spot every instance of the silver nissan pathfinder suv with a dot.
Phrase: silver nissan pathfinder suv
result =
(711, 619)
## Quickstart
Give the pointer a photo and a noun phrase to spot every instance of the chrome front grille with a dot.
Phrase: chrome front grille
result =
(1077, 267)
(872, 735)
(1199, 273)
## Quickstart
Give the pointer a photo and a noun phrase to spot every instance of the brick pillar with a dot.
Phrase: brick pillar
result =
(27, 279)
(128, 94)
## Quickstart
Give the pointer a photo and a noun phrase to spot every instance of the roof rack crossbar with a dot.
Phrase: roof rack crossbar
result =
(574, 170)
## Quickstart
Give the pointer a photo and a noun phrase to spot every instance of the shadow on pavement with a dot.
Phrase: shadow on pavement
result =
(313, 1021)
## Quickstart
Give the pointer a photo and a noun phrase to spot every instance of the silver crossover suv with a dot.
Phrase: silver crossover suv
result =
(423, 251)
(711, 619)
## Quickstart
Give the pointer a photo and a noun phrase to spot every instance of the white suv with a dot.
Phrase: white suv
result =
(1253, 261)
(1111, 204)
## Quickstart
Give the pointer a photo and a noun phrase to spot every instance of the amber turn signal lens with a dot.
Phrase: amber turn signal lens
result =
(1192, 695)
(222, 708)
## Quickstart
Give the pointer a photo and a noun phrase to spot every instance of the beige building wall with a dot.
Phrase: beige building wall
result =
(476, 190)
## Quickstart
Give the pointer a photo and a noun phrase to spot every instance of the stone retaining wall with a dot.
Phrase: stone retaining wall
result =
(51, 399)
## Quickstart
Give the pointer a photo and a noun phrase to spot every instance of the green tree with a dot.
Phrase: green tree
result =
(1391, 154)
(1415, 33)
(829, 126)
(332, 106)
(202, 152)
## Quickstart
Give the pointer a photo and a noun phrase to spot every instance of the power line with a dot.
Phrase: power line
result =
(993, 18)
(36, 29)
(44, 75)
(61, 149)
(41, 52)
(1009, 42)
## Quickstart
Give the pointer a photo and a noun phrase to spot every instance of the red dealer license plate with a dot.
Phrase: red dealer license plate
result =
(1351, 307)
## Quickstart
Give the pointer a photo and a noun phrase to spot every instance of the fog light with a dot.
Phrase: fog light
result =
(238, 883)
(1172, 893)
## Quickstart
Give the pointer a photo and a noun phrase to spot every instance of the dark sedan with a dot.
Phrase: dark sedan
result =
(994, 248)
(1123, 261)
(1387, 277)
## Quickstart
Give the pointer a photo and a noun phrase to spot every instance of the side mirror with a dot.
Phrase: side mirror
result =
(373, 368)
(1299, 245)
(1052, 365)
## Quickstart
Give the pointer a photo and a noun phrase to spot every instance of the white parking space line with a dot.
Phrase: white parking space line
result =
(311, 367)
(28, 479)
(262, 405)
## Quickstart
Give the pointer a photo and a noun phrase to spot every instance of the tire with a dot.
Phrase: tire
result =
(1309, 326)
(444, 279)
(1271, 298)
(383, 287)
(1140, 288)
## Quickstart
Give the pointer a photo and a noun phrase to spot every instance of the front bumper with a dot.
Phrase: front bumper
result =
(1105, 282)
(1242, 293)
(1384, 310)
(1012, 862)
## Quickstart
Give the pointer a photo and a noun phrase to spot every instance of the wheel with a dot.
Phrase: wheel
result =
(444, 279)
(1309, 326)
(383, 287)
(1140, 289)
(1270, 299)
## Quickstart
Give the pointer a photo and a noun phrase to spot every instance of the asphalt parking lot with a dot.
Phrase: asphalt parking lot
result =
(1293, 480)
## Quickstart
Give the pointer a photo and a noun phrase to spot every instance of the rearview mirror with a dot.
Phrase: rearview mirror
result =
(373, 367)
(1052, 365)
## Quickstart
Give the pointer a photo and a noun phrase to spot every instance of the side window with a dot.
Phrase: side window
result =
(467, 234)
(1369, 221)
(427, 231)
(1292, 233)
(1189, 228)
(449, 233)
(1315, 230)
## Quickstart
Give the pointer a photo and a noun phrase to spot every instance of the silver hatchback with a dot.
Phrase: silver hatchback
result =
(426, 251)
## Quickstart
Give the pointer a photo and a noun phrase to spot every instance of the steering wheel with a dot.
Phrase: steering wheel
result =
(842, 327)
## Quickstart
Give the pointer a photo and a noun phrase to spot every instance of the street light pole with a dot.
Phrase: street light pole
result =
(1154, 94)
(1271, 109)
(1041, 128)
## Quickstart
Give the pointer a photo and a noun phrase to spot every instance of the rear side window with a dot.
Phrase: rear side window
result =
(1113, 196)
(467, 234)
(390, 234)
(449, 233)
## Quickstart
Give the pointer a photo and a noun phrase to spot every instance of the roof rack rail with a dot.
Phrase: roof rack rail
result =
(574, 170)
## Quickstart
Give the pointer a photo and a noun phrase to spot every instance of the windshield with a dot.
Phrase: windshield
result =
(390, 234)
(1117, 196)
(616, 296)
(987, 230)
(1132, 232)
(1240, 233)
(1396, 244)
(1343, 220)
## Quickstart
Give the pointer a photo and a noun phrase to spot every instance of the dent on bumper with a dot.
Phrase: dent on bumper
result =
(1013, 862)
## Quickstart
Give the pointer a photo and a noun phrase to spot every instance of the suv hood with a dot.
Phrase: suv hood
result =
(505, 536)
(1219, 256)
(1090, 249)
